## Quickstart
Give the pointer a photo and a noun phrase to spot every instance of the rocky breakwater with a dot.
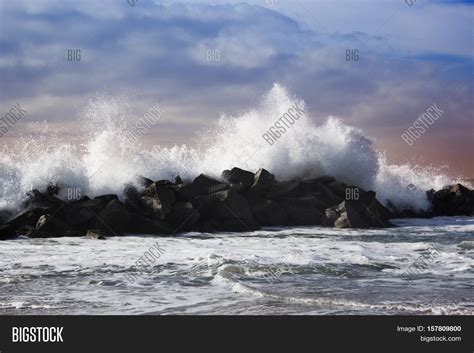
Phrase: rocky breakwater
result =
(239, 201)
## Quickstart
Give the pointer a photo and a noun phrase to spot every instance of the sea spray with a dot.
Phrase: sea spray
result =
(105, 160)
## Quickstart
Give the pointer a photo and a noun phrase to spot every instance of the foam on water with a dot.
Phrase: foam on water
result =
(323, 270)
(102, 160)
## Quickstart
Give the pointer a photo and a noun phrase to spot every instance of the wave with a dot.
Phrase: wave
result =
(431, 308)
(102, 158)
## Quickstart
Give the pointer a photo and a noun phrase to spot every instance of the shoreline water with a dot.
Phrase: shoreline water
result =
(297, 270)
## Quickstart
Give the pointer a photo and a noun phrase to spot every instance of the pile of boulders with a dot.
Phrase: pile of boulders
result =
(239, 201)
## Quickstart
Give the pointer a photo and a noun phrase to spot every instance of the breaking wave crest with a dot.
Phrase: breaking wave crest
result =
(101, 158)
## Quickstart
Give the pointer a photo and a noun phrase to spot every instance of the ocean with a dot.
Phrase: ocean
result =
(277, 271)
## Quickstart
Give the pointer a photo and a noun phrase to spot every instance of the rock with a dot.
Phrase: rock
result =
(150, 207)
(166, 198)
(80, 214)
(107, 198)
(228, 211)
(25, 230)
(202, 185)
(269, 213)
(5, 215)
(183, 216)
(453, 200)
(53, 189)
(114, 218)
(95, 234)
(132, 198)
(144, 182)
(28, 217)
(7, 232)
(185, 193)
(156, 201)
(237, 175)
(50, 225)
(206, 181)
(342, 221)
(143, 225)
(247, 202)
(323, 189)
(37, 199)
(130, 191)
(263, 181)
(302, 210)
(339, 189)
(407, 212)
(325, 179)
(327, 194)
(152, 189)
(365, 212)
(284, 189)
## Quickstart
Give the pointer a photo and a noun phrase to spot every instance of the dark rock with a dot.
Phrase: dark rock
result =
(132, 198)
(95, 234)
(407, 211)
(50, 225)
(80, 214)
(152, 189)
(206, 181)
(302, 210)
(143, 225)
(365, 212)
(114, 218)
(158, 200)
(245, 203)
(37, 199)
(202, 185)
(178, 180)
(5, 215)
(25, 230)
(150, 207)
(28, 217)
(53, 189)
(144, 182)
(107, 198)
(327, 194)
(453, 200)
(7, 232)
(166, 198)
(325, 179)
(284, 189)
(188, 192)
(183, 216)
(238, 187)
(228, 211)
(339, 189)
(237, 175)
(130, 191)
(269, 213)
(82, 199)
(263, 181)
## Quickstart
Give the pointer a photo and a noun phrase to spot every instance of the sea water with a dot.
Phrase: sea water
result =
(300, 270)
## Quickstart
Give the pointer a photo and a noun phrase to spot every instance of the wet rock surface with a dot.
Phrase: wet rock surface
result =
(240, 201)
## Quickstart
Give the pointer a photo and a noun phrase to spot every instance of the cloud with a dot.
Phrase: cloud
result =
(158, 52)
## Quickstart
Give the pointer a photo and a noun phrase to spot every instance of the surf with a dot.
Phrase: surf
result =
(102, 158)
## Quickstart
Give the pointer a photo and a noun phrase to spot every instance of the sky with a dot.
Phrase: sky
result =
(409, 57)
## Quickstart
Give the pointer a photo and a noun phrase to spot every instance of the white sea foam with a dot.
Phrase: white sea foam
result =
(104, 159)
(322, 271)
